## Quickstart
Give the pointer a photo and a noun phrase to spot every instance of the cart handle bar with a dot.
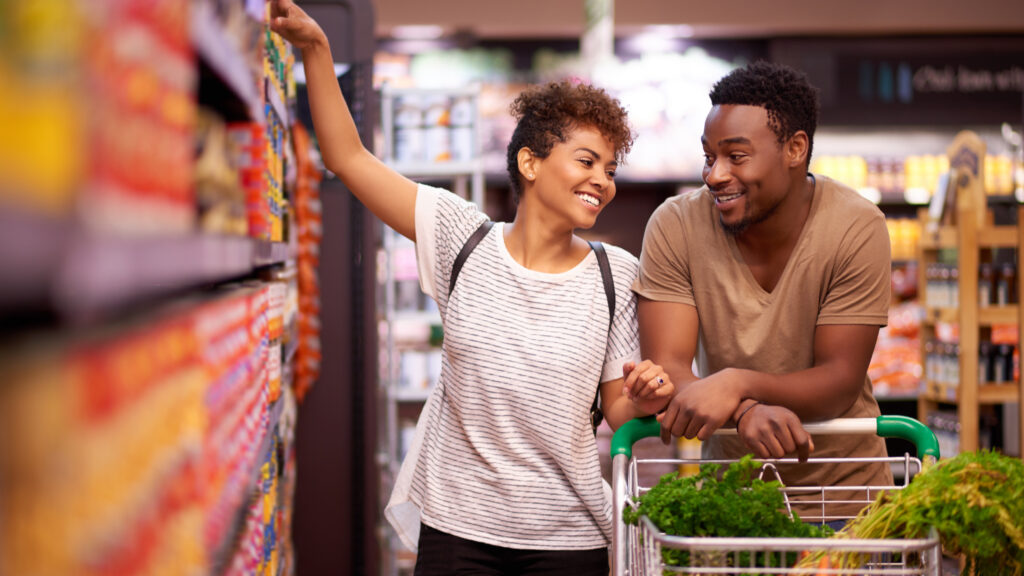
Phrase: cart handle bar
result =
(885, 426)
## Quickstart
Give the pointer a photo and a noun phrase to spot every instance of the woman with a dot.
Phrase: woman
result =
(503, 472)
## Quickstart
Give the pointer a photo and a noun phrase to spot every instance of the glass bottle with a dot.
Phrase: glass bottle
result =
(984, 362)
(1006, 284)
(985, 284)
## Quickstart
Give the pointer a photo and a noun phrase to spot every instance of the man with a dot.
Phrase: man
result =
(776, 280)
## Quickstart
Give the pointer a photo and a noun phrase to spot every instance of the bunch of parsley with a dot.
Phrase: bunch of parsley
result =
(706, 505)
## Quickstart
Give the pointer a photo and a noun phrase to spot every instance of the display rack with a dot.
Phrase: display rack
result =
(960, 221)
(147, 414)
(409, 324)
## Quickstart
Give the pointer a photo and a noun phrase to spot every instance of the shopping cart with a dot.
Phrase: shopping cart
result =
(636, 550)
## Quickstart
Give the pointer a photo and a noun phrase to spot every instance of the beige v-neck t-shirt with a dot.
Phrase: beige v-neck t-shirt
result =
(838, 273)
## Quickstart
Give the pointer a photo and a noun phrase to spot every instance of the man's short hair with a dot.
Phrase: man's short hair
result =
(785, 93)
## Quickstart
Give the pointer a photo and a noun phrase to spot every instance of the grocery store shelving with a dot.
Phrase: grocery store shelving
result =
(214, 48)
(164, 341)
(418, 317)
(437, 169)
(415, 332)
(967, 228)
(417, 395)
(276, 103)
(82, 274)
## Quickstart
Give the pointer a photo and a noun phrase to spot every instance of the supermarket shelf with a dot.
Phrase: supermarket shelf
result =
(418, 317)
(897, 397)
(436, 169)
(214, 48)
(56, 265)
(991, 315)
(944, 237)
(31, 246)
(987, 393)
(988, 316)
(267, 253)
(988, 237)
(99, 273)
(402, 394)
(946, 315)
(276, 103)
(998, 237)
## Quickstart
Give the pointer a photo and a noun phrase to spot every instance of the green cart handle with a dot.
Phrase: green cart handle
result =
(885, 426)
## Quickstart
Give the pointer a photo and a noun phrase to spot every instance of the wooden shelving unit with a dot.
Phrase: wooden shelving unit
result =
(967, 227)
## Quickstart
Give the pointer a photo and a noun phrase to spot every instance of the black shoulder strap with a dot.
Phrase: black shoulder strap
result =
(596, 415)
(467, 248)
(606, 277)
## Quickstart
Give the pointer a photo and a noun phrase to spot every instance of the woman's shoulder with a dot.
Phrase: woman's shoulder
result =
(620, 255)
(448, 213)
(622, 262)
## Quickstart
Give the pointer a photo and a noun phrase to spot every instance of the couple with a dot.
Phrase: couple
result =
(774, 280)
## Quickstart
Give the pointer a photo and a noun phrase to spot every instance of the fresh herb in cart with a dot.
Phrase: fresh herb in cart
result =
(975, 501)
(704, 505)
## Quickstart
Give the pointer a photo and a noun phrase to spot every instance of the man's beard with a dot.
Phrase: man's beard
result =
(747, 221)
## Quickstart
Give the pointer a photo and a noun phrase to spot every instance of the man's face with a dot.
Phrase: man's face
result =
(744, 166)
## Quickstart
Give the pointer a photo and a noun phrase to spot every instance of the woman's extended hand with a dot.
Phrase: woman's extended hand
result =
(647, 385)
(294, 25)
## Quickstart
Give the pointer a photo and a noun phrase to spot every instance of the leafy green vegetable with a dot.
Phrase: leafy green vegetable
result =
(737, 504)
(975, 501)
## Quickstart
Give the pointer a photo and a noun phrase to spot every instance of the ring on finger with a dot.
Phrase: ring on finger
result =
(659, 382)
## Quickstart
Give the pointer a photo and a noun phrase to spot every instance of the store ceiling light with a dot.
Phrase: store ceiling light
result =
(417, 32)
(670, 30)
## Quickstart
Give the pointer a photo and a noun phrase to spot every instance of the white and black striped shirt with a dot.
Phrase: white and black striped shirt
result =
(504, 452)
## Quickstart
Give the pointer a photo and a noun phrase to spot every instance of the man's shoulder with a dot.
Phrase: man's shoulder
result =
(841, 201)
(690, 207)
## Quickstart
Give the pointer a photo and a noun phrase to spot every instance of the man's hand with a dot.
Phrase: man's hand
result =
(647, 385)
(294, 25)
(773, 432)
(703, 406)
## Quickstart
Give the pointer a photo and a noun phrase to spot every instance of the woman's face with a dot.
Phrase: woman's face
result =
(577, 179)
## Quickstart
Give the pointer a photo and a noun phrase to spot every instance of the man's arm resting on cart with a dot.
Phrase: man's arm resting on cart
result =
(668, 335)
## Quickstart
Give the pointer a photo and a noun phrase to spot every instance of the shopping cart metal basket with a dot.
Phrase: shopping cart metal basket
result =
(636, 550)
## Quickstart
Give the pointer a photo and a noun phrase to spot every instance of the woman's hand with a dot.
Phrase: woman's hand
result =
(295, 26)
(647, 385)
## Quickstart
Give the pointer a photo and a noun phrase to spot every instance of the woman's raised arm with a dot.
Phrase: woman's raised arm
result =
(388, 194)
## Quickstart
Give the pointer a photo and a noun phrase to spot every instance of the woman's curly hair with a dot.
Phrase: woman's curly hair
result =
(785, 93)
(547, 113)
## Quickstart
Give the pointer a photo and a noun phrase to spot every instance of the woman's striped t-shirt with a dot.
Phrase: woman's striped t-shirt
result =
(504, 452)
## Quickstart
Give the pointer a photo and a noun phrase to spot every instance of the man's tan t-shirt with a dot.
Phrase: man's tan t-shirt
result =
(838, 273)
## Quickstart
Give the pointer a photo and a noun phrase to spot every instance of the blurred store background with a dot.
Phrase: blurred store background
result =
(212, 357)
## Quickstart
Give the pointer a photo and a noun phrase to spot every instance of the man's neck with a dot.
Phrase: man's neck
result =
(784, 226)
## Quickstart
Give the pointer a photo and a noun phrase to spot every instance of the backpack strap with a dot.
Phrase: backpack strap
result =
(606, 277)
(596, 414)
(467, 248)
